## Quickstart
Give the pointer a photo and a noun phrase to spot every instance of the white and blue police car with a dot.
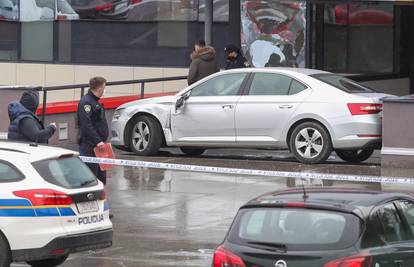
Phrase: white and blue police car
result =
(51, 205)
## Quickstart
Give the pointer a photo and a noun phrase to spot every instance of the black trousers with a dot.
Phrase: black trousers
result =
(87, 151)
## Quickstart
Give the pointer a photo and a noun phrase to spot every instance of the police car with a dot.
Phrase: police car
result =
(51, 205)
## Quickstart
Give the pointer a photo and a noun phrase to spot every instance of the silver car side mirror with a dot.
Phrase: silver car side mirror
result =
(181, 100)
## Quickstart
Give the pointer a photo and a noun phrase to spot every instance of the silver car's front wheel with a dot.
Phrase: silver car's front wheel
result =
(145, 136)
(310, 143)
(140, 136)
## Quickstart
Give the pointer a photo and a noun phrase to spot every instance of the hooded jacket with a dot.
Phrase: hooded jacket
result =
(203, 64)
(235, 63)
(24, 124)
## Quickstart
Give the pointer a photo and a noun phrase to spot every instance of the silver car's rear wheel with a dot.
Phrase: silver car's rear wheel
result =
(310, 143)
(146, 136)
(355, 156)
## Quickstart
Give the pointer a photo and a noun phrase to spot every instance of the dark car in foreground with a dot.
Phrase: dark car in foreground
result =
(321, 227)
(101, 9)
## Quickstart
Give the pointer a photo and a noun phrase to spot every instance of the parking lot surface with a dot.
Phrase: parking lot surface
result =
(177, 218)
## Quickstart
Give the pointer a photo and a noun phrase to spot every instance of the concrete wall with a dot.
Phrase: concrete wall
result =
(55, 74)
(397, 87)
(69, 120)
(398, 133)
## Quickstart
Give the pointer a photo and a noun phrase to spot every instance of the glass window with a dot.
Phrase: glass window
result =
(273, 32)
(270, 84)
(343, 83)
(220, 10)
(9, 173)
(296, 87)
(9, 32)
(222, 85)
(389, 224)
(68, 172)
(407, 208)
(138, 10)
(9, 10)
(297, 229)
(357, 36)
(37, 41)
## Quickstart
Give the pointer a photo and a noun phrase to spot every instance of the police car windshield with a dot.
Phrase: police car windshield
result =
(66, 172)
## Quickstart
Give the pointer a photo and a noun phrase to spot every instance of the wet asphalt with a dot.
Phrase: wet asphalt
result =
(177, 218)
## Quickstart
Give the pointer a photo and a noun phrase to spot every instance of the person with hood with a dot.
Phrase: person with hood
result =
(203, 62)
(24, 124)
(234, 58)
(274, 61)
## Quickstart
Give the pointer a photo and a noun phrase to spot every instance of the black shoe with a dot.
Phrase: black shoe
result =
(111, 216)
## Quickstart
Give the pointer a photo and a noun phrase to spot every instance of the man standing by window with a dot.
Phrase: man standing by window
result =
(203, 62)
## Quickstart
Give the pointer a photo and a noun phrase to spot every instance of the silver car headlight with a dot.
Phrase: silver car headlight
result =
(118, 113)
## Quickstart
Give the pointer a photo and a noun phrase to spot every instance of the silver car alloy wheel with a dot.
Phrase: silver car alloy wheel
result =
(309, 143)
(141, 136)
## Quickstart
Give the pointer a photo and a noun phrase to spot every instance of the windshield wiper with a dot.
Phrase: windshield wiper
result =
(87, 182)
(274, 246)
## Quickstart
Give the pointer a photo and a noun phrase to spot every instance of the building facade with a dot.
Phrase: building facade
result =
(57, 42)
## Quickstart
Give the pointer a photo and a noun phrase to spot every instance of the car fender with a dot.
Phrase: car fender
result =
(307, 117)
(160, 112)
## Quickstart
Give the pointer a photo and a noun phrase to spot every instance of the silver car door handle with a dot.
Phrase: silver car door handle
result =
(286, 106)
(227, 106)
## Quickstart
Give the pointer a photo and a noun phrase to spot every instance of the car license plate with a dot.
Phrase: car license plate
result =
(86, 207)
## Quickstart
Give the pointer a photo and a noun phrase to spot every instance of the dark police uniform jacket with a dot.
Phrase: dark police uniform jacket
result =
(92, 124)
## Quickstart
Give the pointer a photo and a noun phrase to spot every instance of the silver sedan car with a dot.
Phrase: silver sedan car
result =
(309, 112)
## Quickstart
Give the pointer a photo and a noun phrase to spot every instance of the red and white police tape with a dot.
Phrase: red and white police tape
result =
(221, 170)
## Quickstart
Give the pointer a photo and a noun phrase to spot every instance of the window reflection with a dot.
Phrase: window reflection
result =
(273, 32)
(359, 37)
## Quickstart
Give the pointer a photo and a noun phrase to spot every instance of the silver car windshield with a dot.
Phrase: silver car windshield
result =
(68, 172)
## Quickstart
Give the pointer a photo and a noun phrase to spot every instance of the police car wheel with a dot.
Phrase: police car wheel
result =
(5, 254)
(146, 136)
(48, 262)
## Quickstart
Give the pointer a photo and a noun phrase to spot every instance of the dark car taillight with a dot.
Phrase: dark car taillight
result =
(44, 197)
(224, 258)
(353, 261)
(364, 108)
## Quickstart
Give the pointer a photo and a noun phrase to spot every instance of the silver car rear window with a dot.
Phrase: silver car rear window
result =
(68, 172)
(301, 229)
(343, 83)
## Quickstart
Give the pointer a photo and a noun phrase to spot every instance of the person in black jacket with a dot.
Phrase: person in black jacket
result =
(93, 127)
(24, 124)
(234, 58)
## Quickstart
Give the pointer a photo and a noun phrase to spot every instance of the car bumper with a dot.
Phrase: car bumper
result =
(118, 130)
(356, 131)
(69, 244)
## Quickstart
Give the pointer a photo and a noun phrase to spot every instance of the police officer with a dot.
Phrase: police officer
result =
(92, 124)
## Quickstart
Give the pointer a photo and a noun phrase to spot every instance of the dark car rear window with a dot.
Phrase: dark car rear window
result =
(297, 229)
(343, 83)
(68, 172)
